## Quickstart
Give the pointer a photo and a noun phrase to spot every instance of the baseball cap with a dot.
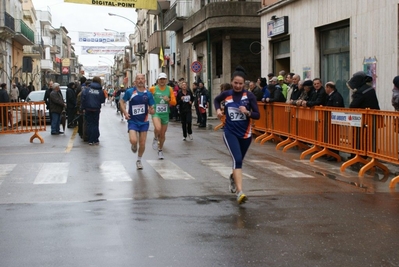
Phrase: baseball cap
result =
(280, 78)
(162, 75)
(122, 85)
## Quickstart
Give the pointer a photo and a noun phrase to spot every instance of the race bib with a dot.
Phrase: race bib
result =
(161, 108)
(138, 109)
(235, 114)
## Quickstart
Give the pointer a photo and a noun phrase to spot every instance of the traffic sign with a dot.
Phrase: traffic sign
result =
(196, 66)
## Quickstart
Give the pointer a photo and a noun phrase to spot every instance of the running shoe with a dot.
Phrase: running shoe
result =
(134, 148)
(139, 165)
(241, 198)
(155, 144)
(232, 185)
(190, 136)
(160, 154)
(184, 139)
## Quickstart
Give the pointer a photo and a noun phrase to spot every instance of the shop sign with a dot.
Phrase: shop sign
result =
(277, 26)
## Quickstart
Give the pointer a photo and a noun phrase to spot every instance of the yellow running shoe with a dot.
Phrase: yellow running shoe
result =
(241, 198)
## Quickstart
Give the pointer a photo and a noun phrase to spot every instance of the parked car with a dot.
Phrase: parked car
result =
(34, 112)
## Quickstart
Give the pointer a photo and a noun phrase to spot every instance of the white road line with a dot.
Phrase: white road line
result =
(52, 173)
(221, 168)
(5, 169)
(114, 171)
(281, 169)
(169, 171)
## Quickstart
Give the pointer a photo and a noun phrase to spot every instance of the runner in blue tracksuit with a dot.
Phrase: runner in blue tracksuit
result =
(240, 107)
(141, 103)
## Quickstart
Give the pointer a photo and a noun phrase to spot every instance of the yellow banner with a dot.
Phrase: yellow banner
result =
(143, 4)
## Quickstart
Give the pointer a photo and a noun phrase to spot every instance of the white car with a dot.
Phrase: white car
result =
(34, 112)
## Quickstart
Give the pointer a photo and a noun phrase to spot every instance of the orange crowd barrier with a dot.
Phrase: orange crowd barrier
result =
(370, 136)
(23, 117)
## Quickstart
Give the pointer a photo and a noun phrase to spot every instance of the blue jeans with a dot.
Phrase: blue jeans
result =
(55, 122)
(92, 120)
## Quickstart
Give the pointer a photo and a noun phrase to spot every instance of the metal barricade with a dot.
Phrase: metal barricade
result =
(23, 117)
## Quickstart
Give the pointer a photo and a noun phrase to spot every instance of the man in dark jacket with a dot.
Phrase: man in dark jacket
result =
(334, 98)
(56, 105)
(92, 99)
(319, 96)
(47, 95)
(275, 94)
(364, 95)
(4, 98)
(203, 102)
(71, 104)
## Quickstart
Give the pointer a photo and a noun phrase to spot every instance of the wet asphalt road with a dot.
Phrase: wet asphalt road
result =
(317, 217)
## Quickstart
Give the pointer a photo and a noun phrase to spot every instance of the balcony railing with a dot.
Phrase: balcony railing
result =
(174, 17)
(46, 64)
(55, 49)
(7, 26)
(23, 34)
(155, 42)
(9, 21)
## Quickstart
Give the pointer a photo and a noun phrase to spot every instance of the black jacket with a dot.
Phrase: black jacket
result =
(4, 98)
(334, 100)
(318, 98)
(364, 95)
(275, 94)
(70, 98)
(295, 92)
(185, 104)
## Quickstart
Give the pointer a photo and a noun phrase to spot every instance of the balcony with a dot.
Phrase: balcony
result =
(57, 67)
(155, 42)
(46, 64)
(23, 34)
(45, 18)
(219, 15)
(7, 26)
(46, 41)
(177, 14)
(33, 52)
(55, 49)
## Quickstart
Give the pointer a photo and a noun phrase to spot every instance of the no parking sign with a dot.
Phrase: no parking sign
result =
(196, 66)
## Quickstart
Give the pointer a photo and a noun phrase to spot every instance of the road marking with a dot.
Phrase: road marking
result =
(169, 171)
(5, 169)
(281, 169)
(52, 173)
(114, 171)
(70, 143)
(221, 168)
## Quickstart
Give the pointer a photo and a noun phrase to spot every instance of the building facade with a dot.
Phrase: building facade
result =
(332, 40)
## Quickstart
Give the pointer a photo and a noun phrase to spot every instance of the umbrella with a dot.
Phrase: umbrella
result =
(63, 119)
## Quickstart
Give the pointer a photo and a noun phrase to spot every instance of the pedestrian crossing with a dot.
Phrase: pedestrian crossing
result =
(115, 171)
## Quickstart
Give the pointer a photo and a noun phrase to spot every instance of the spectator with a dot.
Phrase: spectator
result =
(71, 105)
(306, 89)
(92, 100)
(283, 86)
(197, 95)
(57, 106)
(255, 90)
(14, 93)
(31, 87)
(47, 95)
(4, 98)
(319, 96)
(275, 95)
(364, 95)
(203, 104)
(185, 99)
(293, 92)
(334, 98)
(23, 93)
(265, 91)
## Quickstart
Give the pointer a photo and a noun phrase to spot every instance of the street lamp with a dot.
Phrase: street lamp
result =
(139, 47)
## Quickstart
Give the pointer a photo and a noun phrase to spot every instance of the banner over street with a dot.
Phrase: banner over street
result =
(143, 4)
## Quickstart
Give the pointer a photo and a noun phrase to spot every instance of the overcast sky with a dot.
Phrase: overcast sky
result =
(86, 18)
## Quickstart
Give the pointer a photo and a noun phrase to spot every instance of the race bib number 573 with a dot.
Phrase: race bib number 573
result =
(235, 114)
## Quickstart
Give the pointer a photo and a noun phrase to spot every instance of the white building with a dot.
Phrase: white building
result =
(332, 40)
